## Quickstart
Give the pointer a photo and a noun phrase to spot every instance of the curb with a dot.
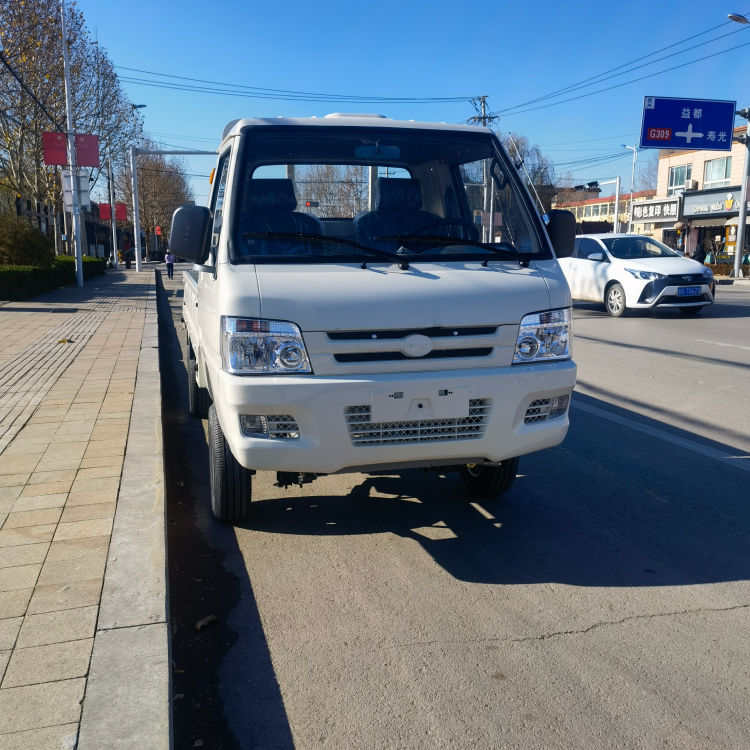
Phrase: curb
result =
(127, 699)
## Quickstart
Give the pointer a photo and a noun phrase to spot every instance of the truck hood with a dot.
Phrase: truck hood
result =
(347, 297)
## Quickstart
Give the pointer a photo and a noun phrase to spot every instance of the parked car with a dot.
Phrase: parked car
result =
(633, 271)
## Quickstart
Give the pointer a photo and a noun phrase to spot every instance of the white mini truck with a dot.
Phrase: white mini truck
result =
(372, 295)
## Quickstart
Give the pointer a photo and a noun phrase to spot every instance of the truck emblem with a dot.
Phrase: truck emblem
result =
(416, 345)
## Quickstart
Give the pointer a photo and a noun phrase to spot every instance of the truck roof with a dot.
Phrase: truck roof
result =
(342, 119)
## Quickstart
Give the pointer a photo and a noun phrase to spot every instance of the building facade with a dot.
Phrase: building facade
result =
(707, 185)
(597, 214)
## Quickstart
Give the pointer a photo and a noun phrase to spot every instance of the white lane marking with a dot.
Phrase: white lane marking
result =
(740, 461)
(721, 343)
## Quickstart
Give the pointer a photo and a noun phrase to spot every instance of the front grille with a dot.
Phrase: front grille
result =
(391, 356)
(363, 431)
(404, 332)
(282, 426)
(683, 279)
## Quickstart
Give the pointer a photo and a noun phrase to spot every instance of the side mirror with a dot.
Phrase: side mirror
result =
(562, 232)
(189, 237)
(596, 256)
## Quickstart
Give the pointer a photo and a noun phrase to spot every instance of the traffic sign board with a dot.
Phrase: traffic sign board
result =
(693, 124)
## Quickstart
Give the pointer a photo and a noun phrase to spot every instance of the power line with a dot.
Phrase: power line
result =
(626, 83)
(601, 77)
(199, 85)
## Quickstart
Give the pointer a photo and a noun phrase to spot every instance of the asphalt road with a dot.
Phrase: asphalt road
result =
(602, 603)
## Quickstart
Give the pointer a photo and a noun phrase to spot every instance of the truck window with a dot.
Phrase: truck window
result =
(217, 201)
(441, 196)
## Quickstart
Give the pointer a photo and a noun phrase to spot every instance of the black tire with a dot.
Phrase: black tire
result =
(614, 300)
(483, 480)
(691, 310)
(231, 483)
(198, 398)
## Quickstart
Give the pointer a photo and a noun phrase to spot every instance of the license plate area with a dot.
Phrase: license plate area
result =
(688, 291)
(419, 403)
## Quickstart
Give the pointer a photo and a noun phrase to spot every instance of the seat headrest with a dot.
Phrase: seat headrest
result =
(399, 194)
(270, 193)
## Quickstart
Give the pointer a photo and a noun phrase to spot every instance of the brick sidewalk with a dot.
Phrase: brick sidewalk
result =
(71, 364)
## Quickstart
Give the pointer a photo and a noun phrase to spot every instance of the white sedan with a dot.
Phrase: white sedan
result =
(633, 271)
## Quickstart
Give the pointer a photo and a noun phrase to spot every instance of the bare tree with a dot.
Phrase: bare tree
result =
(32, 95)
(163, 185)
(647, 175)
(340, 190)
(536, 169)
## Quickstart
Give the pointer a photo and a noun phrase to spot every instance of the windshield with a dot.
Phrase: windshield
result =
(633, 248)
(320, 194)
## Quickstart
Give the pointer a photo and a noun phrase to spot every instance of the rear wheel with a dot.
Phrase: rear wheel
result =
(489, 480)
(231, 483)
(614, 300)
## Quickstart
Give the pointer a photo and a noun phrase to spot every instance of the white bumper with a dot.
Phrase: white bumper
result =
(318, 405)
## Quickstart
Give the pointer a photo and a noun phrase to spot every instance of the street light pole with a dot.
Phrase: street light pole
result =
(136, 212)
(739, 247)
(634, 149)
(76, 207)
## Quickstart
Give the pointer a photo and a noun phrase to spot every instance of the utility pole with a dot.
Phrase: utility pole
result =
(483, 118)
(76, 212)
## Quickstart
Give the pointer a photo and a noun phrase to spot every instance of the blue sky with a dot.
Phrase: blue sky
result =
(512, 52)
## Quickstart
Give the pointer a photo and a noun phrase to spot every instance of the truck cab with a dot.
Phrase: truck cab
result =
(369, 295)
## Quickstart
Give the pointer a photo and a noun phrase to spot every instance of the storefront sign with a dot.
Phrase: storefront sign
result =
(654, 211)
(716, 203)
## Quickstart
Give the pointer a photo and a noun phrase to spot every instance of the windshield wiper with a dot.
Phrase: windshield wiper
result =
(504, 249)
(323, 238)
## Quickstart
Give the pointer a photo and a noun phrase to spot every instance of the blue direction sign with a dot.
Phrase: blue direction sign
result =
(694, 124)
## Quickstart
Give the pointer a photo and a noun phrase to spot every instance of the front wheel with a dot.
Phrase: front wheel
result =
(231, 483)
(614, 300)
(489, 480)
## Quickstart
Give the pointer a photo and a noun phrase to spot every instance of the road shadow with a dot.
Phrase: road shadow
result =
(610, 507)
(220, 656)
(721, 308)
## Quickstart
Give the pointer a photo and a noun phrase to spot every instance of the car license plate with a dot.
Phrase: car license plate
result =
(688, 291)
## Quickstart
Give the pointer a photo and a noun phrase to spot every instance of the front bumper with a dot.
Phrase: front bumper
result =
(324, 442)
(663, 293)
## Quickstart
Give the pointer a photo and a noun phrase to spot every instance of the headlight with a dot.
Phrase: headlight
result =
(543, 337)
(262, 347)
(645, 275)
(708, 273)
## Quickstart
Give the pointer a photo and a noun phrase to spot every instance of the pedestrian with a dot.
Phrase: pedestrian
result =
(699, 254)
(169, 260)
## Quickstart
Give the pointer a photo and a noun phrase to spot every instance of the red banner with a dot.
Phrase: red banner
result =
(55, 149)
(87, 150)
(105, 213)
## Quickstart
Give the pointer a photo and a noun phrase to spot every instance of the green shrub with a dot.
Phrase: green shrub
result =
(22, 282)
(22, 244)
